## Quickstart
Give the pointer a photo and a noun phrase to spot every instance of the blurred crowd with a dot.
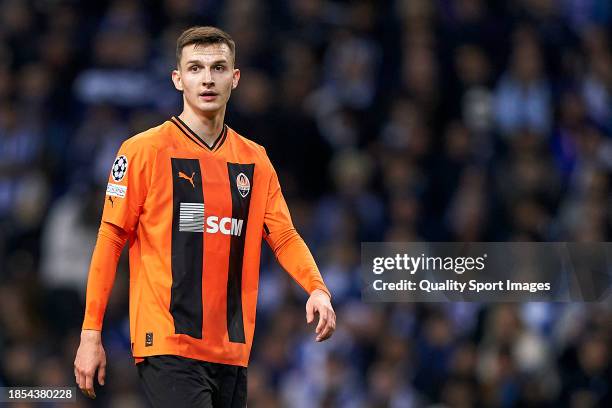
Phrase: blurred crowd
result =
(405, 120)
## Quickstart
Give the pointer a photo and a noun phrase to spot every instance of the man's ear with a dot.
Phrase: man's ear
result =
(176, 79)
(235, 78)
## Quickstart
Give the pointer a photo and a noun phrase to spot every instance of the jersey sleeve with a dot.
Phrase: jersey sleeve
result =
(102, 271)
(128, 183)
(288, 246)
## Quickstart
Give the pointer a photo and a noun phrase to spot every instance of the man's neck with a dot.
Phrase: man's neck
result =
(207, 127)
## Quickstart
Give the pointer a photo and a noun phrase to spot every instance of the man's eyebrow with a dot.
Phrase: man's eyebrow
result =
(197, 61)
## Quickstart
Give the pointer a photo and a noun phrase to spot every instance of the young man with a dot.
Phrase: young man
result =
(194, 199)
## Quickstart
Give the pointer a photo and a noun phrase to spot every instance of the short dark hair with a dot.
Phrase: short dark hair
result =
(204, 35)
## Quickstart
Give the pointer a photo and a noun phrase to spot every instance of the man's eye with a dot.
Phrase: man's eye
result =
(219, 68)
(194, 68)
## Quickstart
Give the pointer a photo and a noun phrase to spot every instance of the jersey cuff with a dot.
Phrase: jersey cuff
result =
(322, 287)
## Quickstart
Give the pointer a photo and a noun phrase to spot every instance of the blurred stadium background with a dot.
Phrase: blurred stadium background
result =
(441, 120)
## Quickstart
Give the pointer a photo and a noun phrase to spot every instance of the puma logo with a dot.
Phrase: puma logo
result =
(111, 201)
(186, 177)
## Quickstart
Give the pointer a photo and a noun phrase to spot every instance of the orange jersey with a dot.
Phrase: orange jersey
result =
(195, 215)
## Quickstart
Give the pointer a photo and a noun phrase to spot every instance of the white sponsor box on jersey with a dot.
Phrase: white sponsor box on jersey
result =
(116, 190)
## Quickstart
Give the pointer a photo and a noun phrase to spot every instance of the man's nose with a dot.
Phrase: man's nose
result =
(208, 76)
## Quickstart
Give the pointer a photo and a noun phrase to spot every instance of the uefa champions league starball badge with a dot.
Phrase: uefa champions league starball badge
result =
(119, 168)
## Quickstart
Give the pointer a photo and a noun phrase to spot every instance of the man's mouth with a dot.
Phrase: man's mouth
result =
(208, 95)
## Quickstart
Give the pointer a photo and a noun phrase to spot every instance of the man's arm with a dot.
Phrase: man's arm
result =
(90, 356)
(295, 257)
(128, 184)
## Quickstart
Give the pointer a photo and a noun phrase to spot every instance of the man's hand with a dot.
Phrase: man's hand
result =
(89, 359)
(319, 302)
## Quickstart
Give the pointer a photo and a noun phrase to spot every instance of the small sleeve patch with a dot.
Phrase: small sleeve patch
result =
(119, 168)
(116, 190)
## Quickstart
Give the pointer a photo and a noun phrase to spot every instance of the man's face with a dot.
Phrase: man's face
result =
(206, 75)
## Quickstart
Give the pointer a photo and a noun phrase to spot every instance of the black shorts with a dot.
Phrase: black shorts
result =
(177, 382)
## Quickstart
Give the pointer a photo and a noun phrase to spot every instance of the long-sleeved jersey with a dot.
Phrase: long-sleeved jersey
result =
(195, 216)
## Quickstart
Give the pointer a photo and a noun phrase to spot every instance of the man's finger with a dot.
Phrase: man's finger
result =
(88, 394)
(322, 321)
(309, 313)
(89, 385)
(329, 328)
(81, 380)
(82, 385)
(327, 331)
(101, 374)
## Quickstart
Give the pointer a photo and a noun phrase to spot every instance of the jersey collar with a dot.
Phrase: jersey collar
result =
(193, 136)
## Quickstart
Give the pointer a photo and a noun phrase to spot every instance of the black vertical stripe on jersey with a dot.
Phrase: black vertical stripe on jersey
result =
(240, 211)
(187, 253)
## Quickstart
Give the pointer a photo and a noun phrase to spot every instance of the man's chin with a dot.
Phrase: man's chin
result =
(205, 108)
(210, 107)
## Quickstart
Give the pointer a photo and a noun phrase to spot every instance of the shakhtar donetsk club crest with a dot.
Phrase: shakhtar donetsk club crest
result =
(243, 184)
(119, 168)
